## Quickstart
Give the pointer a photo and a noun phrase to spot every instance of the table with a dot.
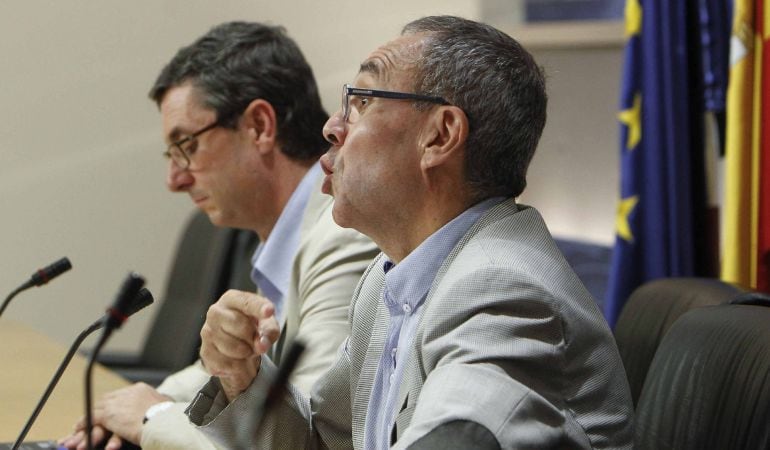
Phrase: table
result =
(29, 360)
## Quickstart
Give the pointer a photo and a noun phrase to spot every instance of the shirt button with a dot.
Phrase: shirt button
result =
(392, 375)
(407, 308)
(393, 352)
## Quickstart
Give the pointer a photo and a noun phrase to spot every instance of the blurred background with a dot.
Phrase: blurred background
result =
(81, 172)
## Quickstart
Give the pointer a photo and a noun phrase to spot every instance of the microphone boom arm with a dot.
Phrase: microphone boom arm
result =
(142, 299)
(55, 380)
(39, 278)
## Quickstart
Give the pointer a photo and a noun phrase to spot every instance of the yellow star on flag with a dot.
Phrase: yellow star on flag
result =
(623, 228)
(632, 118)
(633, 13)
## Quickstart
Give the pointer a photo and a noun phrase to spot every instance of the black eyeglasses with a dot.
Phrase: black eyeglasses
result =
(181, 150)
(348, 91)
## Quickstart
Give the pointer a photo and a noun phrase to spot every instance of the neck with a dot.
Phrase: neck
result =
(399, 240)
(286, 176)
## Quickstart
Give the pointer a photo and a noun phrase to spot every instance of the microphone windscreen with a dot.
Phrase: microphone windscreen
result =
(48, 273)
(142, 300)
(121, 307)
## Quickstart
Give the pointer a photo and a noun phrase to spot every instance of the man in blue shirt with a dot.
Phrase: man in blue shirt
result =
(241, 119)
(470, 330)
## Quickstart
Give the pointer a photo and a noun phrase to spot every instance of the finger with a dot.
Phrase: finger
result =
(114, 443)
(268, 333)
(97, 435)
(214, 340)
(228, 323)
(220, 365)
(238, 327)
(248, 303)
(63, 440)
(267, 310)
(81, 444)
(73, 440)
(239, 315)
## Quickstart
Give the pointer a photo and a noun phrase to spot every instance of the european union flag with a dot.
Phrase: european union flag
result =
(662, 198)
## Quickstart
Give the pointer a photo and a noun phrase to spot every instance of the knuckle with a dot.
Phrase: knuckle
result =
(212, 312)
(206, 331)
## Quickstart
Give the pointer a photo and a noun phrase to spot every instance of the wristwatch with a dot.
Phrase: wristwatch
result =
(155, 409)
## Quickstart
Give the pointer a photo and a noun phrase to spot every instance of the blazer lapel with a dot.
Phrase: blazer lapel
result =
(413, 378)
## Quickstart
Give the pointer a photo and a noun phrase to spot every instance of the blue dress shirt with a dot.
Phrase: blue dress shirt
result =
(273, 259)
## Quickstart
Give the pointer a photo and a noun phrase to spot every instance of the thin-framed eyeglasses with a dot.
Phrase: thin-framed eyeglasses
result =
(348, 91)
(181, 150)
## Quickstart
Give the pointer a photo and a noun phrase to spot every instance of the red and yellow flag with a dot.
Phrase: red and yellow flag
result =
(746, 246)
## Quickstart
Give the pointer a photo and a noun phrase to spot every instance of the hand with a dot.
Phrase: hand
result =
(77, 440)
(239, 328)
(121, 412)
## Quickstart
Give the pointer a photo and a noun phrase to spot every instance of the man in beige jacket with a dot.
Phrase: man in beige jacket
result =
(242, 120)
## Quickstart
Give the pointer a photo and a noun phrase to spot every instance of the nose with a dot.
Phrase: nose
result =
(177, 179)
(335, 129)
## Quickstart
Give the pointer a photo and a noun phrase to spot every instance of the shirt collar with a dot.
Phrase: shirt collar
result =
(409, 281)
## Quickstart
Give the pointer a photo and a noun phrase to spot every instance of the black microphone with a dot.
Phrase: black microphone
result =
(142, 299)
(39, 278)
(116, 315)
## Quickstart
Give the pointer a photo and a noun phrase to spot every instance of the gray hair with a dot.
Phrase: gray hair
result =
(498, 85)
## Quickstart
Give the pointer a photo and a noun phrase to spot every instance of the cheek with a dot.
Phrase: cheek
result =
(360, 174)
(365, 152)
(375, 156)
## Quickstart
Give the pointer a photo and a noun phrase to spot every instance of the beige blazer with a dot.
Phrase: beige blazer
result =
(328, 265)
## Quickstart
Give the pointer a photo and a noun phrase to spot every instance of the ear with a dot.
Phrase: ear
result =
(444, 137)
(261, 123)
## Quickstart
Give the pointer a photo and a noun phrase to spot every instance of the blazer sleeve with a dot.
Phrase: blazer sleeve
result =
(172, 430)
(182, 386)
(296, 421)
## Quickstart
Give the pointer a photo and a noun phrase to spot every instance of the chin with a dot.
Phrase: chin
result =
(347, 217)
(339, 216)
(216, 218)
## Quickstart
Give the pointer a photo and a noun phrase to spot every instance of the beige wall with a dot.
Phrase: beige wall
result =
(81, 171)
(574, 178)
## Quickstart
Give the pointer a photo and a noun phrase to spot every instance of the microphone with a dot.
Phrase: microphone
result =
(39, 278)
(48, 273)
(142, 299)
(116, 315)
(121, 307)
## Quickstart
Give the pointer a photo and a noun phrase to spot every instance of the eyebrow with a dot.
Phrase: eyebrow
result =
(374, 68)
(175, 134)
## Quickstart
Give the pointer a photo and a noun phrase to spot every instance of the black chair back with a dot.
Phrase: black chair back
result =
(651, 310)
(708, 386)
(208, 261)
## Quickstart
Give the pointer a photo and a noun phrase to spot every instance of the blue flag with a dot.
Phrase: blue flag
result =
(661, 148)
